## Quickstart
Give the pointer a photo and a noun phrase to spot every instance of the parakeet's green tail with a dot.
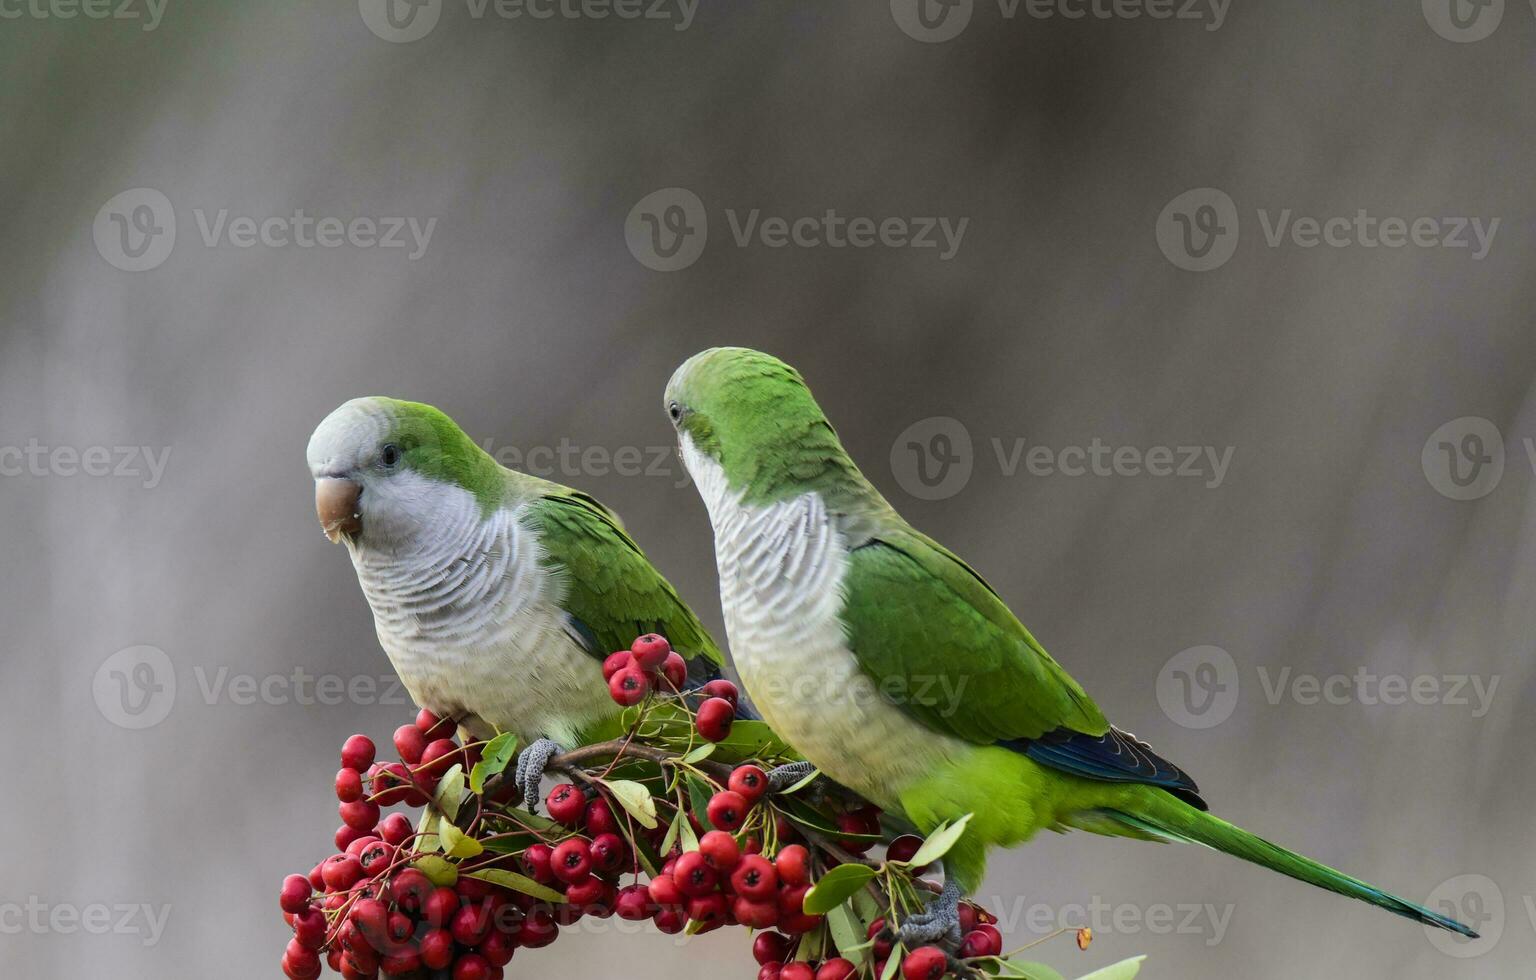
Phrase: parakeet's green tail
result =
(1165, 817)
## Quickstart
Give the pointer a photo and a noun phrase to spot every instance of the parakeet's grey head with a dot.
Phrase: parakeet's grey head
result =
(752, 416)
(385, 469)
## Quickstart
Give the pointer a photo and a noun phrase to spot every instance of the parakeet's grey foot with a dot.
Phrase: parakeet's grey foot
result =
(784, 777)
(531, 763)
(938, 925)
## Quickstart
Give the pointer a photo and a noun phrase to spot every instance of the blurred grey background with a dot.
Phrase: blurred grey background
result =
(1331, 544)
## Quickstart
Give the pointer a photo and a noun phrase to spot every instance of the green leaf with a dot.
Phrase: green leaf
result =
(530, 820)
(847, 934)
(427, 839)
(690, 840)
(458, 844)
(893, 965)
(519, 883)
(438, 871)
(1124, 970)
(636, 799)
(698, 800)
(754, 740)
(699, 754)
(938, 843)
(494, 759)
(1028, 971)
(836, 886)
(672, 831)
(450, 792)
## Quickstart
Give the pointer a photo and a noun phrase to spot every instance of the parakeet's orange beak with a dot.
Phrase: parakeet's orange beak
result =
(336, 501)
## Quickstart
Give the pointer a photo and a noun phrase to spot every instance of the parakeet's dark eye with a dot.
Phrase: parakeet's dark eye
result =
(390, 455)
(676, 411)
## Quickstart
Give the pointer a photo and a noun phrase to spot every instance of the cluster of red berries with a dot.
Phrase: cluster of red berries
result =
(390, 903)
(650, 664)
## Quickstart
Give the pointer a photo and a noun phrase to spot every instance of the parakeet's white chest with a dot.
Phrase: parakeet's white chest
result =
(472, 623)
(782, 568)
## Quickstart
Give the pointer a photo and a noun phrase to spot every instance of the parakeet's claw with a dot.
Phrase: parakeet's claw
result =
(938, 925)
(531, 763)
(784, 777)
(964, 969)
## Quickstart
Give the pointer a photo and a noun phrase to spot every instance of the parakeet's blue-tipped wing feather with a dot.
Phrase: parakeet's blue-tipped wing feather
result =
(612, 592)
(925, 625)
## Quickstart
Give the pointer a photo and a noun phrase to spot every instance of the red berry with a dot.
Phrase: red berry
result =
(411, 889)
(376, 857)
(472, 966)
(349, 785)
(715, 717)
(694, 876)
(341, 871)
(357, 753)
(392, 783)
(440, 907)
(665, 891)
(925, 963)
(750, 781)
(572, 860)
(708, 910)
(401, 962)
(432, 727)
(437, 949)
(395, 829)
(356, 847)
(797, 971)
(634, 903)
(722, 688)
(770, 947)
(754, 879)
(984, 940)
(674, 670)
(770, 971)
(439, 756)
(720, 850)
(883, 944)
(586, 893)
(566, 804)
(294, 896)
(836, 969)
(609, 853)
(538, 859)
(727, 810)
(755, 915)
(471, 923)
(300, 962)
(410, 743)
(347, 836)
(538, 929)
(371, 917)
(360, 815)
(497, 949)
(670, 921)
(858, 822)
(616, 662)
(792, 917)
(599, 818)
(903, 848)
(793, 865)
(309, 928)
(650, 650)
(629, 686)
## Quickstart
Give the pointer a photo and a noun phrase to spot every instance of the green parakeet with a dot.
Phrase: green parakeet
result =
(890, 664)
(496, 594)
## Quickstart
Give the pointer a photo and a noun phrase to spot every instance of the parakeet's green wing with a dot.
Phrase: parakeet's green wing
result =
(613, 593)
(926, 626)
